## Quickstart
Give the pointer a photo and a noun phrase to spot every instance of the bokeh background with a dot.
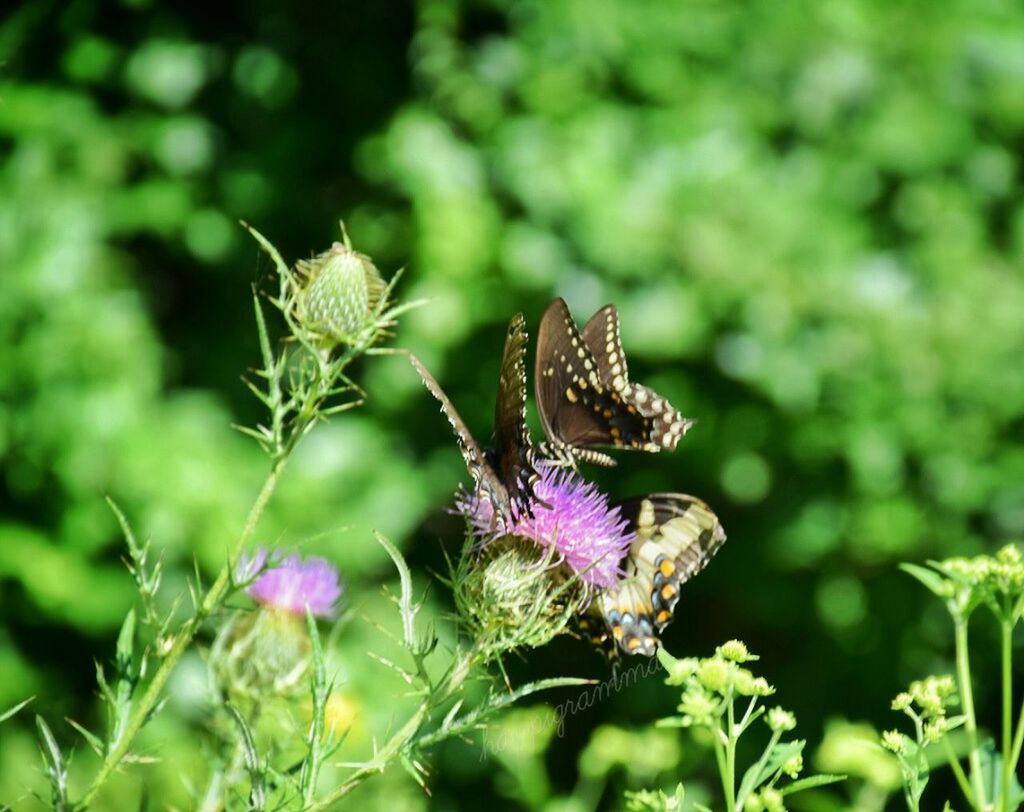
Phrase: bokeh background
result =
(809, 214)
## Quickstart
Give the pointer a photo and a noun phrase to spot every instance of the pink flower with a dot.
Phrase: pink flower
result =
(587, 533)
(292, 584)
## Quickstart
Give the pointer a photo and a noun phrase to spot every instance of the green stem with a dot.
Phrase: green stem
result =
(776, 735)
(729, 779)
(184, 637)
(717, 736)
(396, 744)
(958, 771)
(1018, 737)
(963, 673)
(1007, 650)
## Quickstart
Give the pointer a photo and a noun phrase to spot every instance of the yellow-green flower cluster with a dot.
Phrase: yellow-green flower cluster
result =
(1001, 574)
(709, 682)
(926, 702)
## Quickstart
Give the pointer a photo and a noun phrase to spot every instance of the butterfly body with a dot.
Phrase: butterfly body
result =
(676, 536)
(505, 473)
(584, 395)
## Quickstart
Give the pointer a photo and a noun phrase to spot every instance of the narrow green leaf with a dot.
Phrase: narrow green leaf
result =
(267, 246)
(126, 641)
(405, 606)
(7, 714)
(782, 752)
(266, 350)
(56, 770)
(94, 741)
(932, 580)
(810, 782)
(257, 774)
(136, 552)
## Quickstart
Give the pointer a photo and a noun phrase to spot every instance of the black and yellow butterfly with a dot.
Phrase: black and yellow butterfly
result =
(585, 398)
(505, 473)
(676, 536)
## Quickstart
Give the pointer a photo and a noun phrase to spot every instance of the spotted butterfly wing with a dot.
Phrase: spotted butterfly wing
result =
(584, 397)
(504, 475)
(676, 536)
(513, 454)
(666, 425)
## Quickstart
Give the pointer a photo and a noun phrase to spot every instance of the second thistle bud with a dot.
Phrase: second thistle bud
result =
(339, 293)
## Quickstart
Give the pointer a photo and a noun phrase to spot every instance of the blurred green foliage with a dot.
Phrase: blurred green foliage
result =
(809, 214)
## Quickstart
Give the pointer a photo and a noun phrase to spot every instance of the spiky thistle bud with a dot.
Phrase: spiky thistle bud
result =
(509, 595)
(339, 294)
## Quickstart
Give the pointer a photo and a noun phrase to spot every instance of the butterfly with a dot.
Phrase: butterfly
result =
(584, 395)
(676, 536)
(504, 474)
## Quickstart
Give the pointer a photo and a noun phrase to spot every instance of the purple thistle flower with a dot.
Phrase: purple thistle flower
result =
(588, 534)
(292, 584)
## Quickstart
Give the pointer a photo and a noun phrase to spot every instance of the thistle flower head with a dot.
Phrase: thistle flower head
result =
(268, 652)
(570, 515)
(339, 293)
(293, 584)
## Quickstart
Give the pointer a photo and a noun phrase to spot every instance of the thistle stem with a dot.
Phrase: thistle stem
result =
(396, 744)
(963, 672)
(183, 638)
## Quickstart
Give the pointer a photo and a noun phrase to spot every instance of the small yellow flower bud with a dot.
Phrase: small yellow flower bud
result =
(902, 701)
(894, 741)
(772, 800)
(780, 720)
(753, 803)
(736, 651)
(758, 686)
(714, 674)
(793, 766)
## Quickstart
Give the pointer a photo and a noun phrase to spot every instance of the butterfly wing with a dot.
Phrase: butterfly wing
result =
(577, 409)
(484, 476)
(601, 335)
(664, 425)
(676, 536)
(513, 453)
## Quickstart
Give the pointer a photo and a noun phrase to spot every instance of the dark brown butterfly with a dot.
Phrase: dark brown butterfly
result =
(676, 536)
(505, 473)
(584, 395)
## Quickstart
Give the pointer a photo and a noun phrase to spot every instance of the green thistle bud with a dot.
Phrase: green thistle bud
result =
(510, 596)
(780, 720)
(262, 653)
(338, 295)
